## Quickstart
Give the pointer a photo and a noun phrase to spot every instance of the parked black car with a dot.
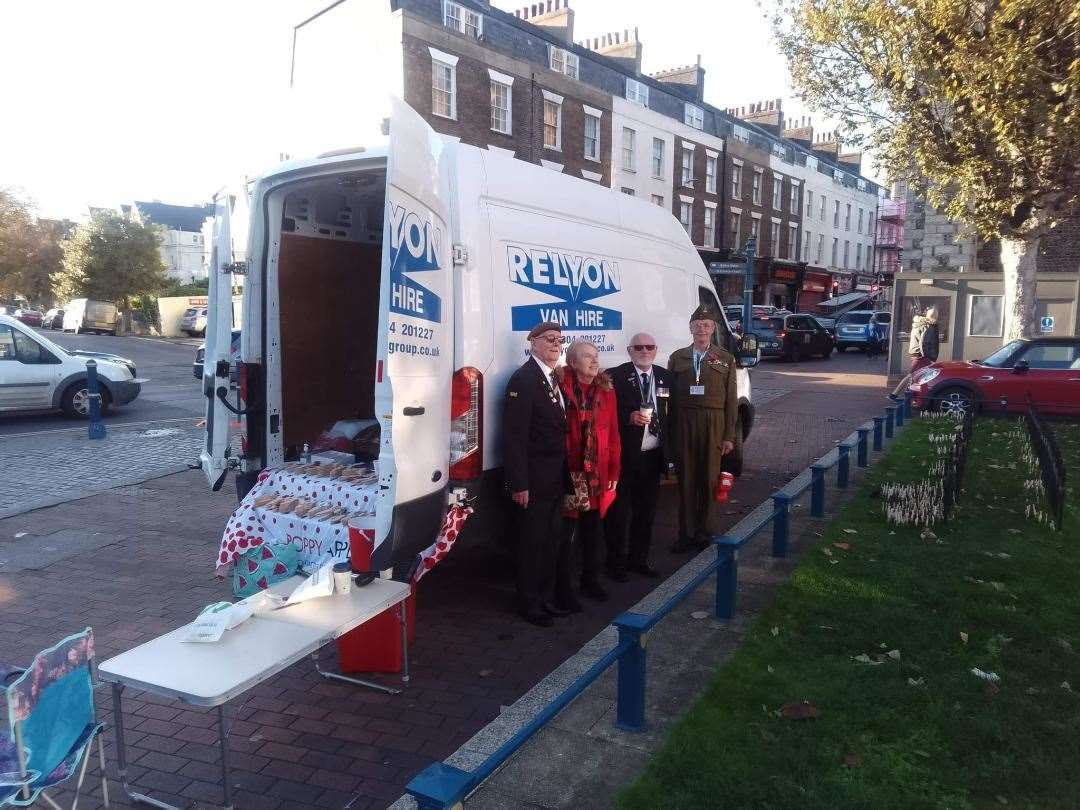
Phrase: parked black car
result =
(792, 337)
(54, 319)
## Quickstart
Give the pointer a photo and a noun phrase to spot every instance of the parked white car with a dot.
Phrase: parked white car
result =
(193, 321)
(36, 374)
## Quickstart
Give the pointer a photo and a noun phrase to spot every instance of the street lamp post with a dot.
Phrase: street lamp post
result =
(748, 285)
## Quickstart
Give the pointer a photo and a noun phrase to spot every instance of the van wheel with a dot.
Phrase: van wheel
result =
(733, 461)
(76, 401)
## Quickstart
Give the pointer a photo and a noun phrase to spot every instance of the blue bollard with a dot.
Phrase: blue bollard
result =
(95, 428)
(781, 501)
(863, 432)
(879, 422)
(630, 708)
(727, 580)
(817, 491)
(439, 786)
(909, 404)
(900, 414)
(843, 466)
(890, 421)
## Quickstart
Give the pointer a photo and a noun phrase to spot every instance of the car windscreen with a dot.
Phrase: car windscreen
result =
(999, 358)
(768, 326)
(188, 313)
(854, 318)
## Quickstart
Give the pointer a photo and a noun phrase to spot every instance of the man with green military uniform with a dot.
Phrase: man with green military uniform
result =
(703, 409)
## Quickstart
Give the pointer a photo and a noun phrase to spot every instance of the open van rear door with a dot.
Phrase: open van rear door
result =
(215, 457)
(416, 332)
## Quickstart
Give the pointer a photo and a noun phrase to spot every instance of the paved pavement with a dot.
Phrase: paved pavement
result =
(136, 561)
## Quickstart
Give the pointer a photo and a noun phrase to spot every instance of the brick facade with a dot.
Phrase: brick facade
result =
(697, 189)
(472, 122)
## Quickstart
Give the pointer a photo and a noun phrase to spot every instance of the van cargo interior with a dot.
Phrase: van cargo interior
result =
(329, 269)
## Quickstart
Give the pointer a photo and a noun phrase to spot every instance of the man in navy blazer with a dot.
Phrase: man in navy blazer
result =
(641, 389)
(534, 463)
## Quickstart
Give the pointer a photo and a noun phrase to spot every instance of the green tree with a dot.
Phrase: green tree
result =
(111, 258)
(977, 101)
(29, 251)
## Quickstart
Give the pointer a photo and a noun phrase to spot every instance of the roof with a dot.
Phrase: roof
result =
(846, 299)
(175, 217)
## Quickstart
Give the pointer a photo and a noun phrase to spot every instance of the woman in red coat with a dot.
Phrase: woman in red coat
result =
(592, 454)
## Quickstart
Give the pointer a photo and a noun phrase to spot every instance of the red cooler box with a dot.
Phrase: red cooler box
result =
(375, 646)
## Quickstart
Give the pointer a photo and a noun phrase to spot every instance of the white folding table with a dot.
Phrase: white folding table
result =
(213, 674)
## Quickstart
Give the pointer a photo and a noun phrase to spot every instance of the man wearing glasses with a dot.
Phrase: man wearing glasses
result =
(534, 462)
(641, 390)
(704, 407)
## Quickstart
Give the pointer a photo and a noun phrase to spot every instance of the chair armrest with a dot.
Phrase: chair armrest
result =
(15, 779)
(8, 673)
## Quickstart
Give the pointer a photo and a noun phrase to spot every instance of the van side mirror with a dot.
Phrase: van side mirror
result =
(748, 354)
(1021, 367)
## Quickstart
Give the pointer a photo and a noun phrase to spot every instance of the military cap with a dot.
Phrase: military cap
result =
(704, 313)
(546, 326)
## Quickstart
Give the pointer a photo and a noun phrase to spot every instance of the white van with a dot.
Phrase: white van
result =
(87, 315)
(399, 284)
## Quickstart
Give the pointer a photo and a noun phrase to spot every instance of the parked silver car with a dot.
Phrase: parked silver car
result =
(193, 321)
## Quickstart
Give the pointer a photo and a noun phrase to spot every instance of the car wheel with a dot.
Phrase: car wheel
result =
(794, 353)
(955, 400)
(76, 401)
(733, 461)
(827, 353)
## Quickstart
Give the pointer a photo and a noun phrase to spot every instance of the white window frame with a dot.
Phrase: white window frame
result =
(449, 61)
(807, 239)
(629, 150)
(736, 181)
(836, 214)
(809, 203)
(835, 251)
(820, 247)
(658, 158)
(694, 116)
(553, 98)
(755, 231)
(686, 166)
(756, 187)
(847, 252)
(793, 240)
(462, 22)
(507, 82)
(637, 92)
(847, 217)
(686, 209)
(596, 115)
(862, 213)
(778, 192)
(794, 198)
(858, 255)
(658, 199)
(823, 205)
(710, 226)
(774, 237)
(563, 61)
(710, 174)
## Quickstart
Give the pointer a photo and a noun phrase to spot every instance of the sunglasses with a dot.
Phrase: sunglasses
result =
(552, 339)
(644, 347)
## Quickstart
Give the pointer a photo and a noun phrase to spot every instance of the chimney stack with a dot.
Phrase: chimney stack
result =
(768, 114)
(853, 161)
(554, 16)
(621, 45)
(828, 146)
(688, 81)
(801, 130)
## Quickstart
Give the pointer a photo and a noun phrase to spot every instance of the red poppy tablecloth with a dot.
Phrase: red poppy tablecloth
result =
(317, 541)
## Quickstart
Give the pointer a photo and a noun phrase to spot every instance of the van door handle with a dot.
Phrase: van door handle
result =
(411, 411)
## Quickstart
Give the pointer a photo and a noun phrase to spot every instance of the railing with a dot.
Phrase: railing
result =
(1050, 462)
(444, 786)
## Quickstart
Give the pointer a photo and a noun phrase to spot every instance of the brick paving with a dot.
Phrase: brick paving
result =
(300, 741)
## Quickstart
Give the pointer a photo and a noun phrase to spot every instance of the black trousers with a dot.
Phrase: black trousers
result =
(545, 560)
(629, 524)
(587, 531)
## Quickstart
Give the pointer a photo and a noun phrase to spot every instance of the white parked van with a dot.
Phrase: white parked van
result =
(399, 284)
(87, 315)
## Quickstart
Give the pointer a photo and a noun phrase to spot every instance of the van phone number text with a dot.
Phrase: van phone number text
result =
(411, 331)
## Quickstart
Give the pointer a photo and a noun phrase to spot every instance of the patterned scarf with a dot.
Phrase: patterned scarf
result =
(586, 416)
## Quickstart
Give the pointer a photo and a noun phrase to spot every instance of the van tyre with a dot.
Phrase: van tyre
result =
(733, 461)
(76, 401)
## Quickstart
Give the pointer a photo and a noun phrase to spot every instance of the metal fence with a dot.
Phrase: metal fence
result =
(444, 786)
(1048, 452)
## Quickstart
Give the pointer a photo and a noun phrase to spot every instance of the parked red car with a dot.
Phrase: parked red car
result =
(31, 317)
(1046, 369)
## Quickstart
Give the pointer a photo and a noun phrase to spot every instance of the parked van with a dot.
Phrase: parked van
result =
(87, 315)
(399, 284)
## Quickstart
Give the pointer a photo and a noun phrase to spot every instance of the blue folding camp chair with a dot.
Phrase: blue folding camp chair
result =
(51, 724)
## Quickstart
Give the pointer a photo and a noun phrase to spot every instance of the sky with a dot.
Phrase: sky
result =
(111, 101)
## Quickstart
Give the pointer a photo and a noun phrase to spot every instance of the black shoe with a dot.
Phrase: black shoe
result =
(618, 574)
(645, 570)
(537, 617)
(556, 611)
(570, 604)
(594, 591)
(893, 397)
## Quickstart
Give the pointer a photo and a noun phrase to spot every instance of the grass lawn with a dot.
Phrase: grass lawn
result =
(992, 591)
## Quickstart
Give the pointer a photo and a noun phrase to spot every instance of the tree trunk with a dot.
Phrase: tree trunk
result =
(1018, 261)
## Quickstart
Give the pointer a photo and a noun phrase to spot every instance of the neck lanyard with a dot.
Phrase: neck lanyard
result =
(698, 357)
